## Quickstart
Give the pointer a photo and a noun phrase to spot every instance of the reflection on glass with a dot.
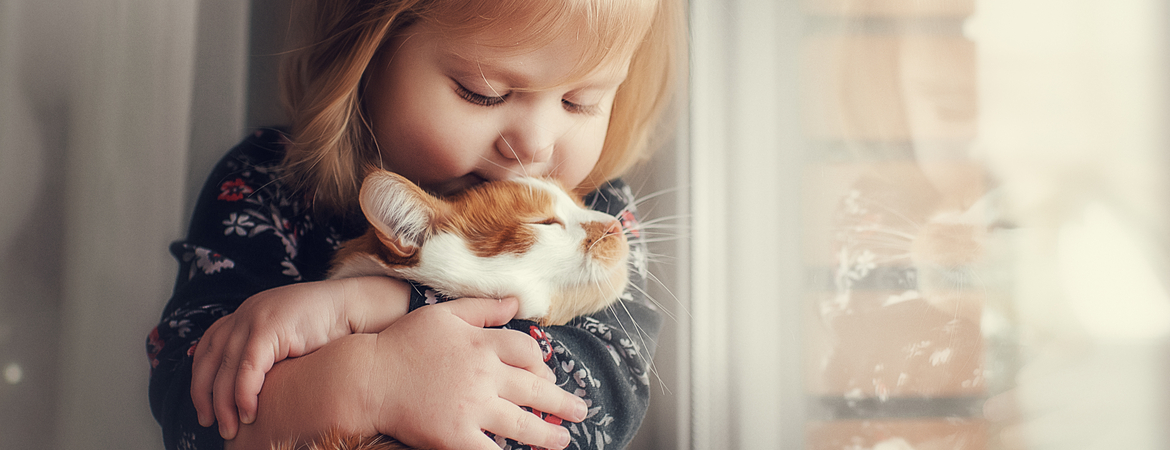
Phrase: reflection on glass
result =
(985, 220)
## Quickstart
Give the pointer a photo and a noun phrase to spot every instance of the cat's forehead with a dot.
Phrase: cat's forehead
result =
(506, 201)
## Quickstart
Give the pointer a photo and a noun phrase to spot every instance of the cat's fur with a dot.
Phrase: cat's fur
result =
(526, 238)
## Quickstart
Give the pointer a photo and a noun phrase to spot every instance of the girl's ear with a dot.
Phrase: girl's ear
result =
(401, 213)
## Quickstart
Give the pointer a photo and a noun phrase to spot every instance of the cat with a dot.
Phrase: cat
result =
(526, 238)
(921, 271)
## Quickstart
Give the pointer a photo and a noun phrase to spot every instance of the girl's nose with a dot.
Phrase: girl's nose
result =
(527, 141)
(526, 146)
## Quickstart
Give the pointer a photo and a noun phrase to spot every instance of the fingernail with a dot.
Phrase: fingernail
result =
(246, 418)
(580, 411)
(563, 438)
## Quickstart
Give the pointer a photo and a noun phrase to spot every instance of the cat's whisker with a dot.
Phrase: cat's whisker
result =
(509, 169)
(641, 337)
(661, 239)
(884, 246)
(660, 306)
(875, 230)
(638, 200)
(659, 220)
(676, 299)
(893, 211)
(598, 241)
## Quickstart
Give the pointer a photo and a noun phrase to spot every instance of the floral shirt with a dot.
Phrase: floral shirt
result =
(249, 234)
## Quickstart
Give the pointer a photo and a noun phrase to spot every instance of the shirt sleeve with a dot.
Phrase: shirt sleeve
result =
(243, 238)
(604, 358)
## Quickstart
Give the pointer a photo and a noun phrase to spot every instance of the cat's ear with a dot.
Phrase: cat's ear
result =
(400, 212)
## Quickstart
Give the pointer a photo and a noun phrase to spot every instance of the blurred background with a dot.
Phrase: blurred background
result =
(903, 224)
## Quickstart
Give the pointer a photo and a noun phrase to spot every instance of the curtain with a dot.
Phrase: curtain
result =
(95, 113)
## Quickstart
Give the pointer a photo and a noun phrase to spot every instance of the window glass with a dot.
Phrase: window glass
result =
(985, 224)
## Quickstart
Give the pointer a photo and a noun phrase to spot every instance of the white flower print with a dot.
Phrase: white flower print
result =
(187, 441)
(182, 327)
(638, 259)
(853, 203)
(290, 269)
(863, 264)
(238, 224)
(206, 261)
(279, 226)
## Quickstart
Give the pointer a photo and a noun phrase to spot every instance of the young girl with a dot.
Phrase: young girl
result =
(448, 93)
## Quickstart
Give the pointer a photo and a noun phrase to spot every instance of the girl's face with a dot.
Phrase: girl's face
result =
(450, 113)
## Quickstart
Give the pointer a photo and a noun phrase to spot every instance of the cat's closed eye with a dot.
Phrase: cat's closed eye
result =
(550, 221)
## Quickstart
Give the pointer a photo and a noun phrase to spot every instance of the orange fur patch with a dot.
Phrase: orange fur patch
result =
(491, 217)
(603, 241)
(369, 243)
(335, 440)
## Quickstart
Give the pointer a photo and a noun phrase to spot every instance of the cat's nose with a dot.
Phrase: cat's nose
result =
(615, 227)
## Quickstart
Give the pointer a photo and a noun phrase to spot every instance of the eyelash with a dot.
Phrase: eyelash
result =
(487, 101)
(580, 109)
(478, 99)
(550, 221)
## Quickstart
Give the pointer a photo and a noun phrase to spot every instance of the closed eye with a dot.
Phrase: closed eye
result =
(577, 108)
(476, 98)
(550, 221)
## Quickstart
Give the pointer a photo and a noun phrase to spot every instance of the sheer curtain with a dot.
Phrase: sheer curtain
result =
(95, 107)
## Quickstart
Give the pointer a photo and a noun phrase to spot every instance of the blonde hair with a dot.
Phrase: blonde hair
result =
(333, 43)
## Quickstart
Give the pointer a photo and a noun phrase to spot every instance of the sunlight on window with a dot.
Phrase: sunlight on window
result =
(1099, 259)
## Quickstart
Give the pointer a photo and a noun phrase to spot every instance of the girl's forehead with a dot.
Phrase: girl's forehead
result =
(529, 62)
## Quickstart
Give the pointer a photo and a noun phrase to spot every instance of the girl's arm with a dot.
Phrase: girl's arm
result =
(283, 322)
(246, 236)
(437, 368)
(603, 358)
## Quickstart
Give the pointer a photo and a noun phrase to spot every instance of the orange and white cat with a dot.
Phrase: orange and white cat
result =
(526, 238)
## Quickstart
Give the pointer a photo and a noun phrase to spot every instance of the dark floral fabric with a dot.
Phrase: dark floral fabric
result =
(249, 233)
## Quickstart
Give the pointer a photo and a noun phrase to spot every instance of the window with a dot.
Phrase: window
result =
(928, 225)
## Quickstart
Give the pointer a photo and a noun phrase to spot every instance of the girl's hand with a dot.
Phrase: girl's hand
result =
(439, 379)
(237, 351)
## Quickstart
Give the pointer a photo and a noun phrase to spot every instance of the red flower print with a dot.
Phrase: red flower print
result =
(233, 190)
(629, 223)
(154, 345)
(542, 339)
(547, 418)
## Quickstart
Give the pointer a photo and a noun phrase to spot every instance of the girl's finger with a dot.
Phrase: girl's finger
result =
(478, 440)
(207, 358)
(224, 393)
(512, 422)
(258, 360)
(482, 312)
(525, 389)
(517, 349)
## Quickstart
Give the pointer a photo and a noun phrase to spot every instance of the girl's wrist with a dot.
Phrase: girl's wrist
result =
(372, 303)
(306, 396)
